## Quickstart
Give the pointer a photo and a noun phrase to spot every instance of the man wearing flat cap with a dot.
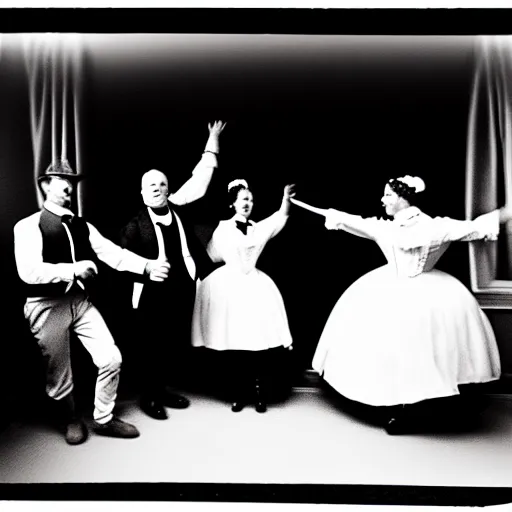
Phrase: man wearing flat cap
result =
(55, 254)
(163, 310)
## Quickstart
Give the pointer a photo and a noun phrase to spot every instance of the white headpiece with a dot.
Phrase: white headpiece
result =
(414, 182)
(235, 183)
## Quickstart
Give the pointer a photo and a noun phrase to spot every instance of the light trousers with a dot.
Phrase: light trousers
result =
(51, 321)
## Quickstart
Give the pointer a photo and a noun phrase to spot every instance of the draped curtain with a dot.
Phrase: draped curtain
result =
(489, 157)
(54, 65)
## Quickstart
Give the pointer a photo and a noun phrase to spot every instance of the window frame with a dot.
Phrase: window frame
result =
(490, 293)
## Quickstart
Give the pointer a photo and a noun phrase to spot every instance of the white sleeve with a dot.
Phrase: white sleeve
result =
(28, 253)
(484, 227)
(272, 225)
(215, 243)
(198, 184)
(371, 227)
(113, 255)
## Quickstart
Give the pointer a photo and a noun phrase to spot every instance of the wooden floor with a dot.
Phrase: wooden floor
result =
(306, 440)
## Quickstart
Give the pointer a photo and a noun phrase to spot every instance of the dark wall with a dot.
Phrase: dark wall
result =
(19, 361)
(338, 116)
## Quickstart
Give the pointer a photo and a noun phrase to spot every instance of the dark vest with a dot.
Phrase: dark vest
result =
(57, 249)
(173, 247)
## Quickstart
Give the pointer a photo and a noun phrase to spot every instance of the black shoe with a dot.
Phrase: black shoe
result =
(154, 408)
(116, 428)
(237, 406)
(176, 401)
(76, 432)
(261, 406)
(397, 426)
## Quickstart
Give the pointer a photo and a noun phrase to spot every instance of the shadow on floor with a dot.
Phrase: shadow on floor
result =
(455, 414)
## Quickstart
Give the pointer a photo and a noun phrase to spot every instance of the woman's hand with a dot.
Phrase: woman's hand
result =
(289, 192)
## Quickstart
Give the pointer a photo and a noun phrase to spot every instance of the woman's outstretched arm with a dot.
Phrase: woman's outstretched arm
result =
(272, 225)
(370, 228)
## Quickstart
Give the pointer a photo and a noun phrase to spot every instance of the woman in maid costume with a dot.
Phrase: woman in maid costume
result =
(238, 308)
(427, 333)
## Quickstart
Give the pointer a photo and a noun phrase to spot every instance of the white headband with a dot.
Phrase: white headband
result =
(414, 182)
(235, 183)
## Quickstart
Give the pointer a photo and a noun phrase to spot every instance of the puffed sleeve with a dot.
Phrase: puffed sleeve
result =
(215, 244)
(484, 227)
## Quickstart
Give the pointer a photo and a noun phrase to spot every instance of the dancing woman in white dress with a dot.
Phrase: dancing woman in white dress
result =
(238, 308)
(406, 332)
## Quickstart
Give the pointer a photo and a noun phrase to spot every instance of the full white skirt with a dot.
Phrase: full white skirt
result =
(392, 340)
(239, 311)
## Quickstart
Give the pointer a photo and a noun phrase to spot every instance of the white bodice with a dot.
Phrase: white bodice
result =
(241, 252)
(413, 242)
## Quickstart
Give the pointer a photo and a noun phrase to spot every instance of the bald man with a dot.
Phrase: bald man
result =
(163, 313)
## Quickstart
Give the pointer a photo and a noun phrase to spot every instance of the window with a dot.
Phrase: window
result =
(489, 168)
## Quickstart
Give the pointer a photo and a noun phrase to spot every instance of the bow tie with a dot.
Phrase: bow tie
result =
(67, 219)
(242, 226)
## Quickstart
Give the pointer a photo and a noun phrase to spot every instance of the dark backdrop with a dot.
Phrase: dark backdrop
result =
(338, 116)
(20, 369)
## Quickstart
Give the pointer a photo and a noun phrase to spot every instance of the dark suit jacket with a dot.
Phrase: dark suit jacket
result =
(139, 236)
